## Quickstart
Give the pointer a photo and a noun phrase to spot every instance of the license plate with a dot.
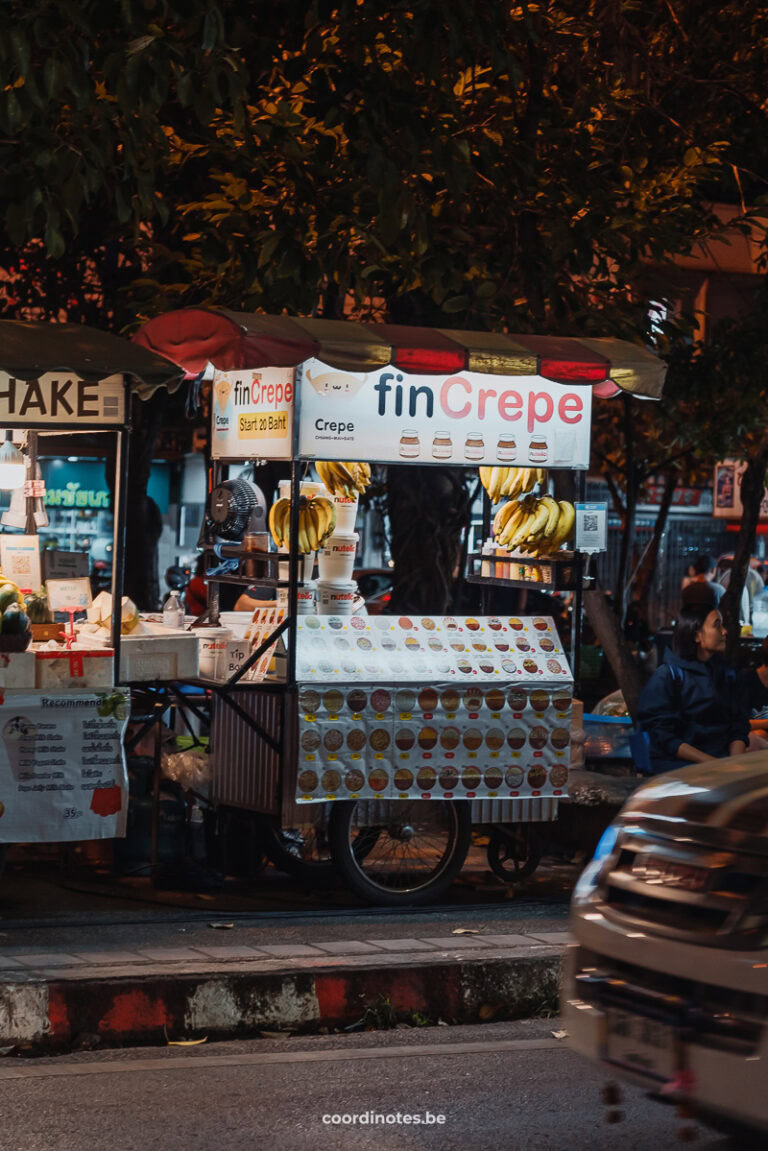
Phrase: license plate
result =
(643, 1045)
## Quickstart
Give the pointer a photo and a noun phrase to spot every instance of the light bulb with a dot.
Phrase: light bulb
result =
(13, 469)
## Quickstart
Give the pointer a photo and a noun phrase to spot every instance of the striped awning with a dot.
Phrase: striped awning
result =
(195, 337)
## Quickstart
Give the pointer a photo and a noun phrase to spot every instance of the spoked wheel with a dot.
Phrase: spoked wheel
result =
(303, 850)
(398, 852)
(514, 852)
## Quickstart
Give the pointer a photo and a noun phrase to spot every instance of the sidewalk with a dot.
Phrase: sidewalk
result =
(132, 983)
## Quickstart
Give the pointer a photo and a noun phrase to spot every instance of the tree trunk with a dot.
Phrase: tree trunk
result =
(752, 487)
(428, 509)
(608, 631)
(143, 521)
(630, 504)
(649, 564)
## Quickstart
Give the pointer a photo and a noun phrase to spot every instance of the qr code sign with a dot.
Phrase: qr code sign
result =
(590, 522)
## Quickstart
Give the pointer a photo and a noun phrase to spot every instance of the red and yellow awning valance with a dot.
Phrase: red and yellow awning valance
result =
(195, 337)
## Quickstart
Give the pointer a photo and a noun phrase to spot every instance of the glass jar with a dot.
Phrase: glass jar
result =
(474, 447)
(506, 449)
(410, 447)
(538, 450)
(442, 446)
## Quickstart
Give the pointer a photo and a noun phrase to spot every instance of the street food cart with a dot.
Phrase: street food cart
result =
(387, 738)
(62, 713)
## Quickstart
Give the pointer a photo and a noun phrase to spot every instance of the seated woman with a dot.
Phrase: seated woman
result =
(695, 707)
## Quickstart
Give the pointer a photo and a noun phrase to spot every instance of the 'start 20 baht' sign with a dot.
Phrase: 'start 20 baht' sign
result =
(252, 415)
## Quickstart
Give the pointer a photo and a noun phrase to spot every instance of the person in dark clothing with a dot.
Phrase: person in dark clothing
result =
(695, 706)
(702, 589)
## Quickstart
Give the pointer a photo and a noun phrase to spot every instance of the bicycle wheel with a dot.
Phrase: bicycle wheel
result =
(514, 852)
(400, 852)
(301, 851)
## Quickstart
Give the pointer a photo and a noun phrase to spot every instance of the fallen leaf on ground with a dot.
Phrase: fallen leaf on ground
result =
(487, 1011)
(560, 1034)
(187, 1042)
(465, 931)
(222, 926)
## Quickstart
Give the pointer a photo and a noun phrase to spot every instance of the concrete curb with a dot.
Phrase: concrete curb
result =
(113, 1010)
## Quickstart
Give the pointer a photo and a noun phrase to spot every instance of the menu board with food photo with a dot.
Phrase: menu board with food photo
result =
(505, 734)
(406, 648)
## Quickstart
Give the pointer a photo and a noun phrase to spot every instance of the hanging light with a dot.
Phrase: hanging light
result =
(13, 469)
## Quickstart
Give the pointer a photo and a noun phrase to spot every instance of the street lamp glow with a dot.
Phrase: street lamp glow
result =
(13, 469)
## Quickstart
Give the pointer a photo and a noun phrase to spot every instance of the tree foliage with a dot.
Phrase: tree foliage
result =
(514, 166)
(511, 170)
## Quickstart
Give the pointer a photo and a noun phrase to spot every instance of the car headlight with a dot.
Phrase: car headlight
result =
(587, 882)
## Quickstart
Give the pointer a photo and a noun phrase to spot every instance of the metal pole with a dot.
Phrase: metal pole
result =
(578, 599)
(118, 542)
(484, 597)
(286, 703)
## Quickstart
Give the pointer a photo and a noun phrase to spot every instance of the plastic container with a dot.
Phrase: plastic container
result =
(308, 488)
(173, 611)
(236, 621)
(346, 513)
(212, 645)
(336, 597)
(306, 599)
(337, 557)
(309, 567)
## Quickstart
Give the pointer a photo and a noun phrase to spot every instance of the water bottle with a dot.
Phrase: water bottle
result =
(197, 834)
(173, 611)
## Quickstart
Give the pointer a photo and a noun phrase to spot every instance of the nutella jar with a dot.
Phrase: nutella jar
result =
(442, 446)
(506, 449)
(410, 448)
(474, 448)
(538, 450)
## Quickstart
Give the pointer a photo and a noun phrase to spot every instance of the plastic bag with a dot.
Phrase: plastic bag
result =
(190, 768)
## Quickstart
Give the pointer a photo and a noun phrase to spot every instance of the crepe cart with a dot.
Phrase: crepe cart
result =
(385, 740)
(62, 715)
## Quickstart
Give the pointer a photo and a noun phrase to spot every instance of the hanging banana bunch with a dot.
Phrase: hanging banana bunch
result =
(317, 521)
(512, 482)
(532, 526)
(343, 479)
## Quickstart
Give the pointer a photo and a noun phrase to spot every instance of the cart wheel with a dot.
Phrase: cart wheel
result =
(397, 852)
(301, 851)
(514, 852)
(243, 849)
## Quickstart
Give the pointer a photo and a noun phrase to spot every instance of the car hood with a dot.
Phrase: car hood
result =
(730, 794)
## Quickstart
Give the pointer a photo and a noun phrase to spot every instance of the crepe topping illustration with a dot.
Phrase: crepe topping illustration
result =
(336, 383)
(223, 390)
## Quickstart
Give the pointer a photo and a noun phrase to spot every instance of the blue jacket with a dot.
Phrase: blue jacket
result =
(703, 703)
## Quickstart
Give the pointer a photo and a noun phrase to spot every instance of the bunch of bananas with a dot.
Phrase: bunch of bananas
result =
(536, 527)
(343, 479)
(511, 482)
(317, 521)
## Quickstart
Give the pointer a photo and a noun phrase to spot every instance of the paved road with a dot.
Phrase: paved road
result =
(509, 1086)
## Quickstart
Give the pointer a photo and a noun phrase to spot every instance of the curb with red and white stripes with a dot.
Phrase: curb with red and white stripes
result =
(124, 1007)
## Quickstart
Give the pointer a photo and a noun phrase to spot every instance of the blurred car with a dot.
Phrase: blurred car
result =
(375, 586)
(666, 984)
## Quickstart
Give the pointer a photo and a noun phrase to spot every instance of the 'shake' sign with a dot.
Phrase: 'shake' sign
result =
(61, 398)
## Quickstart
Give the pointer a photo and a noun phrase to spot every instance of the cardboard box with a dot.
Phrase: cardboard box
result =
(17, 669)
(60, 670)
(172, 655)
(160, 654)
